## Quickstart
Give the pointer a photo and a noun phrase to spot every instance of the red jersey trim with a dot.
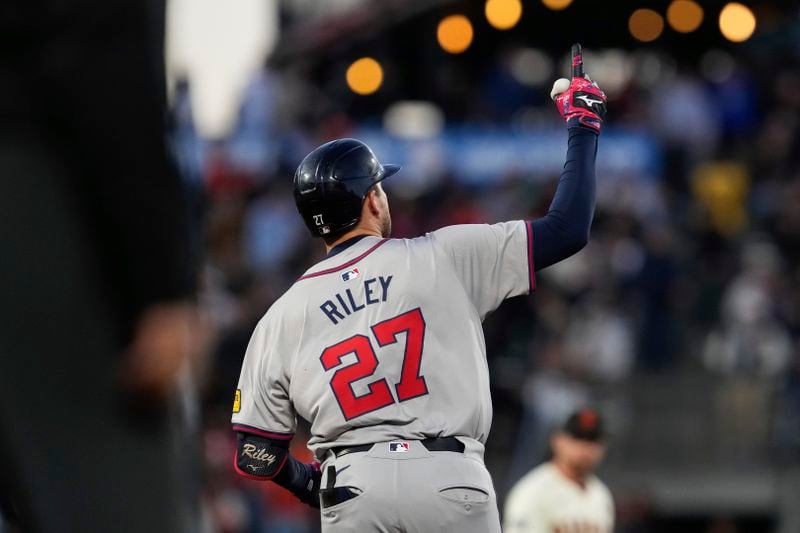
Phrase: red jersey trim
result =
(531, 269)
(345, 265)
(261, 433)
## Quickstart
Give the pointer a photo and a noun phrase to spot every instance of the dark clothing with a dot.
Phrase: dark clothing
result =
(344, 245)
(86, 78)
(565, 228)
(72, 457)
(93, 230)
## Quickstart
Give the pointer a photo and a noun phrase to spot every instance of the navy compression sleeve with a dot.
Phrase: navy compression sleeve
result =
(296, 477)
(564, 230)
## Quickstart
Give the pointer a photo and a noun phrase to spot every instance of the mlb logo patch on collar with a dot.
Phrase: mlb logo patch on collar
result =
(398, 447)
(350, 274)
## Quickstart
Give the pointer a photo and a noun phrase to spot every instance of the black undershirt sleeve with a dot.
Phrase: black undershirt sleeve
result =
(564, 230)
(298, 478)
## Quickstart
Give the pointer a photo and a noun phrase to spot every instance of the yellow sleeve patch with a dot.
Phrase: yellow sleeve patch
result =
(237, 401)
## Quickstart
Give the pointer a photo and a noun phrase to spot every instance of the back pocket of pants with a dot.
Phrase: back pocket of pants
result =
(465, 494)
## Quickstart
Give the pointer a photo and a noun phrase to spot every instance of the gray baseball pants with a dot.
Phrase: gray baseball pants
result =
(413, 491)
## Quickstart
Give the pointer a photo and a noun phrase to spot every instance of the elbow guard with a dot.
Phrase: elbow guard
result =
(259, 457)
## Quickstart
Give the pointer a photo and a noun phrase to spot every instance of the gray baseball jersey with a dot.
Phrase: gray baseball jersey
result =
(384, 340)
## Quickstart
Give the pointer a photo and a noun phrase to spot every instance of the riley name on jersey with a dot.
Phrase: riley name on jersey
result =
(344, 304)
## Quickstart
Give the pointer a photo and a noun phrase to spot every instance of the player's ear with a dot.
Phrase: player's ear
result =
(555, 441)
(372, 202)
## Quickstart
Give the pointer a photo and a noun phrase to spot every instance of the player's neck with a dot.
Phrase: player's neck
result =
(571, 473)
(356, 232)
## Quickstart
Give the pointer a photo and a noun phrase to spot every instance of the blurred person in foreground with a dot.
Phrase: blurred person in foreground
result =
(563, 494)
(97, 281)
(400, 422)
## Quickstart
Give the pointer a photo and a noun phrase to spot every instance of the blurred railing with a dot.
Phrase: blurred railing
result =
(694, 442)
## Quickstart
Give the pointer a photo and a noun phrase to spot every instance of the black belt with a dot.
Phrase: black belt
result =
(433, 444)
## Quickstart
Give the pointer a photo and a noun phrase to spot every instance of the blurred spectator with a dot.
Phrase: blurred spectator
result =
(721, 188)
(656, 281)
(548, 397)
(599, 341)
(272, 231)
(684, 115)
(750, 339)
(787, 415)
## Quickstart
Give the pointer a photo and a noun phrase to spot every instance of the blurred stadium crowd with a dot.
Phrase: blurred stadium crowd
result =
(686, 303)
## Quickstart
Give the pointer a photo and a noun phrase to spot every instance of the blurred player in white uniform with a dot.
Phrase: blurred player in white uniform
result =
(563, 495)
(380, 345)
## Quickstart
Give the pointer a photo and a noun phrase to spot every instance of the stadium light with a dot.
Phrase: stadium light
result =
(645, 25)
(737, 22)
(454, 33)
(684, 16)
(503, 14)
(557, 5)
(364, 76)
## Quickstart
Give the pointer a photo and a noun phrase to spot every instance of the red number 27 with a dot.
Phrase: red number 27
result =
(411, 384)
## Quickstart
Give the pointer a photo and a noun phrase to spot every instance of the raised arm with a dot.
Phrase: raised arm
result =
(564, 230)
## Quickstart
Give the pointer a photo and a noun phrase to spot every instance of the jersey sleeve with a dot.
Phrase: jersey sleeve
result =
(494, 262)
(261, 404)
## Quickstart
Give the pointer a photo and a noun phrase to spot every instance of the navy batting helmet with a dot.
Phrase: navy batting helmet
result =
(331, 183)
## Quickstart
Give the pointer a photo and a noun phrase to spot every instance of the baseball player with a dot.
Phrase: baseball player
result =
(563, 495)
(380, 345)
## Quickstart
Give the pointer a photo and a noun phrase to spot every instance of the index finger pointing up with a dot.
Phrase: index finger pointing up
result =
(577, 61)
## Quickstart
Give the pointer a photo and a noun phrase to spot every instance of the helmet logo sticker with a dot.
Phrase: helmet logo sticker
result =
(318, 220)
